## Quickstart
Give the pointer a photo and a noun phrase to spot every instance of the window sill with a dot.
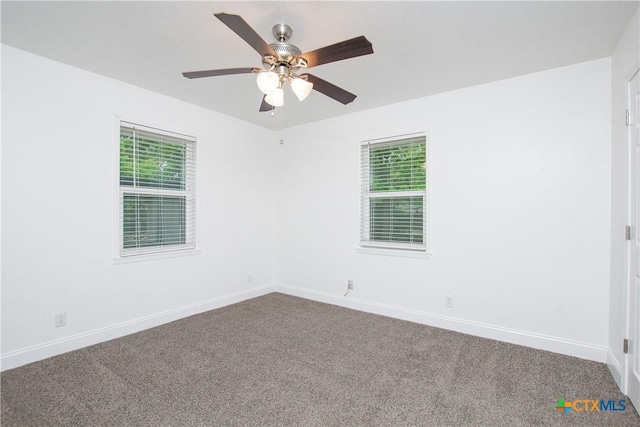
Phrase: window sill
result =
(155, 256)
(393, 252)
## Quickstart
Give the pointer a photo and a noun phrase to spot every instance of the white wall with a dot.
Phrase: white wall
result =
(58, 180)
(624, 61)
(520, 211)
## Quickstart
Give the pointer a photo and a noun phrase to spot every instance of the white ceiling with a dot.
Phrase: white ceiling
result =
(420, 48)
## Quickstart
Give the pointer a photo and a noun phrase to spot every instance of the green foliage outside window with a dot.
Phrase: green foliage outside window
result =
(397, 219)
(150, 220)
(397, 167)
(153, 221)
(157, 164)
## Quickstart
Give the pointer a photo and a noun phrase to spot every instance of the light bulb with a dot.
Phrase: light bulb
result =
(267, 81)
(275, 98)
(301, 88)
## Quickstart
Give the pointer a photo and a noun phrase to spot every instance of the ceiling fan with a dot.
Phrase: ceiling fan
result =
(282, 62)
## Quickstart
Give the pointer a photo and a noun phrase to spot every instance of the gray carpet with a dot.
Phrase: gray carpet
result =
(281, 360)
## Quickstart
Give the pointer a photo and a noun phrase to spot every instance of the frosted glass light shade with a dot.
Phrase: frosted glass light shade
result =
(275, 98)
(301, 88)
(268, 81)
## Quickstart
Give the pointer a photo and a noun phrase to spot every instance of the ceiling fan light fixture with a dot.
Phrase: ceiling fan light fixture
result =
(268, 82)
(275, 98)
(301, 88)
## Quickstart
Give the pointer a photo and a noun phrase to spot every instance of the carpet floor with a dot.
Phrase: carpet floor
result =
(280, 360)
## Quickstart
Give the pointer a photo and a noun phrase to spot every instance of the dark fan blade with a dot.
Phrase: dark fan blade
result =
(329, 89)
(265, 105)
(241, 28)
(339, 51)
(222, 72)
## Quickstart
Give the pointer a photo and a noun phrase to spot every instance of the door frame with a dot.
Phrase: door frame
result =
(631, 199)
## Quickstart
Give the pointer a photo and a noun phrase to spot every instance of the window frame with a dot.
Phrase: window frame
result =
(190, 247)
(367, 246)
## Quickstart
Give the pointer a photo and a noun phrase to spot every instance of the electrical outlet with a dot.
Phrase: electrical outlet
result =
(350, 285)
(448, 301)
(60, 319)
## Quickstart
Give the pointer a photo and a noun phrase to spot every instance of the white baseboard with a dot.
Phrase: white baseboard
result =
(615, 367)
(513, 336)
(34, 353)
(22, 356)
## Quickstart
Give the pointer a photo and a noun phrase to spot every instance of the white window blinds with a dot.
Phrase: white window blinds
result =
(157, 190)
(393, 194)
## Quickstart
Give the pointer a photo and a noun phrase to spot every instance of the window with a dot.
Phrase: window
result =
(157, 190)
(394, 182)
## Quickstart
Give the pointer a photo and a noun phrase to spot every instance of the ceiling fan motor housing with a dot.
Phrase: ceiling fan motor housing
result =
(286, 52)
